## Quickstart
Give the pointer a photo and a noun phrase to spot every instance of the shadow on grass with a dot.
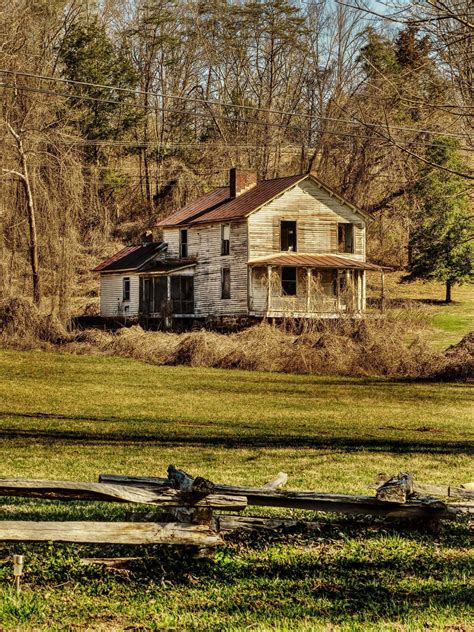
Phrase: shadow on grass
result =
(257, 440)
(367, 581)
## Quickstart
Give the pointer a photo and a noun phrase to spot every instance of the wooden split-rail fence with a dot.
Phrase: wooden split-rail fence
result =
(188, 504)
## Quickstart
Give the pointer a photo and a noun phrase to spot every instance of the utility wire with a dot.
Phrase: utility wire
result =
(212, 116)
(206, 102)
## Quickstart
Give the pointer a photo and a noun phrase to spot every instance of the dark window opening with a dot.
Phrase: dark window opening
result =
(225, 283)
(182, 294)
(225, 239)
(126, 289)
(183, 243)
(345, 238)
(288, 236)
(288, 281)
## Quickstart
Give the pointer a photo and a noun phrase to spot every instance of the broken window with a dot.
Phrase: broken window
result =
(225, 239)
(288, 281)
(225, 283)
(345, 238)
(183, 243)
(288, 236)
(126, 289)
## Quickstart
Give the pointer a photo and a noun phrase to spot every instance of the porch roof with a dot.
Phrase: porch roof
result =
(167, 265)
(300, 260)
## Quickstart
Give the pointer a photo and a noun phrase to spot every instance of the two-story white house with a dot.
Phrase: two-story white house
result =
(270, 249)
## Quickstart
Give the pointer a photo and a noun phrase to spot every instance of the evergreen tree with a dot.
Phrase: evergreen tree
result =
(441, 243)
(89, 55)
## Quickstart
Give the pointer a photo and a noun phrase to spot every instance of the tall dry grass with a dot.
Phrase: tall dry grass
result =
(381, 346)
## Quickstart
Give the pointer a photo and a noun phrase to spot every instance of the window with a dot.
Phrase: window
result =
(183, 243)
(225, 239)
(126, 289)
(225, 283)
(345, 238)
(288, 281)
(182, 294)
(288, 236)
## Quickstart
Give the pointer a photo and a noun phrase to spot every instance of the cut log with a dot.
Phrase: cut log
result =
(109, 532)
(187, 484)
(396, 490)
(313, 501)
(279, 481)
(69, 490)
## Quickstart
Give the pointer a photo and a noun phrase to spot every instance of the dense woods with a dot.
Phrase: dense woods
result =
(115, 113)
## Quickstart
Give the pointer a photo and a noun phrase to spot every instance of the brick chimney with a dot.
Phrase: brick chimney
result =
(240, 180)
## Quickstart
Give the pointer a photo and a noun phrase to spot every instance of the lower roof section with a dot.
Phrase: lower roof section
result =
(300, 260)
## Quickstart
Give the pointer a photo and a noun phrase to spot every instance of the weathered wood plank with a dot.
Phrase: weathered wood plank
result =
(71, 490)
(313, 501)
(397, 489)
(109, 532)
(430, 489)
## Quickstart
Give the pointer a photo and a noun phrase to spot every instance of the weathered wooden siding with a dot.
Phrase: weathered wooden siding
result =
(111, 288)
(317, 214)
(204, 244)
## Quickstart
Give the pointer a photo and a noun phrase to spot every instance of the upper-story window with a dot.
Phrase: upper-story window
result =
(225, 239)
(345, 238)
(288, 236)
(183, 243)
(126, 289)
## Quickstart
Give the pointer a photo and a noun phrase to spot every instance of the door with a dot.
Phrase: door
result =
(153, 295)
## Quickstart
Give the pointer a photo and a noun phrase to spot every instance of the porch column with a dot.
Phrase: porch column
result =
(308, 289)
(250, 289)
(269, 295)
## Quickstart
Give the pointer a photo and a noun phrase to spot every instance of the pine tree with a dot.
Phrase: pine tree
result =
(441, 243)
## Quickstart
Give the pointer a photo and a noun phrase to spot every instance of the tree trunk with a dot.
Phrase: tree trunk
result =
(30, 204)
(448, 291)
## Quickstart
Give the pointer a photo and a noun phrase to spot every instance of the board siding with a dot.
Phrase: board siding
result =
(317, 214)
(204, 244)
(111, 287)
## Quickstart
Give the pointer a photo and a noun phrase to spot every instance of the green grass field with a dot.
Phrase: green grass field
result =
(72, 417)
(446, 324)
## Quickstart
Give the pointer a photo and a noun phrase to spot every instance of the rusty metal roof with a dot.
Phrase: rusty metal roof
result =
(204, 204)
(218, 206)
(313, 261)
(130, 257)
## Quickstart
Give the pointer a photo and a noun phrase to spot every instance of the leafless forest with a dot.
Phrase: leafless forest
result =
(115, 112)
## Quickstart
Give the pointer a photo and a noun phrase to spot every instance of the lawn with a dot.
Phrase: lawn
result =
(446, 323)
(72, 417)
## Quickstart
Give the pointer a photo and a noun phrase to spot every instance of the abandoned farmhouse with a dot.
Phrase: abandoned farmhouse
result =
(275, 248)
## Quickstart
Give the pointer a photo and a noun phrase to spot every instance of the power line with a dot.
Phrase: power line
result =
(207, 102)
(212, 116)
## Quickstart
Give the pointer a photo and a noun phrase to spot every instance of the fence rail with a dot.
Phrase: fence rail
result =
(189, 503)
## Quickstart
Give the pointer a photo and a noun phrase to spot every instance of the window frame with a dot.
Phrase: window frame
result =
(126, 293)
(225, 243)
(344, 226)
(225, 288)
(183, 244)
(284, 224)
(294, 283)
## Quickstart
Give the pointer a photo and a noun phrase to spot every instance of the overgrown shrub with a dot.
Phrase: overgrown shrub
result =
(22, 325)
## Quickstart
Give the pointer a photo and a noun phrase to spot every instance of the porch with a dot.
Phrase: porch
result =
(307, 286)
(167, 291)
